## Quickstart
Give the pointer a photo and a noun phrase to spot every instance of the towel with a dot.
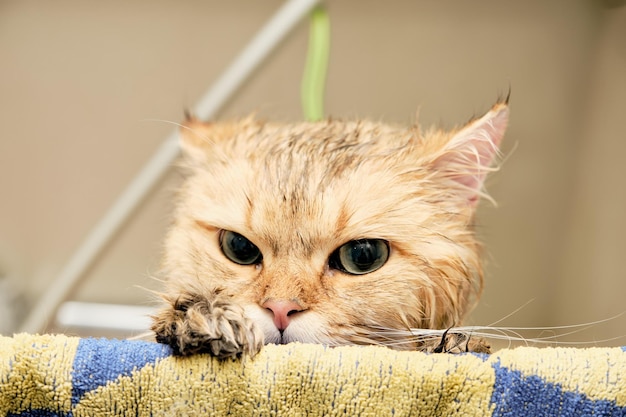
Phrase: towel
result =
(56, 375)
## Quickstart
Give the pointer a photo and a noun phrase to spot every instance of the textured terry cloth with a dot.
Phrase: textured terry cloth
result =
(64, 376)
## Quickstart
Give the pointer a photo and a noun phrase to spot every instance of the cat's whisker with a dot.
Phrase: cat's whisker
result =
(512, 313)
(508, 331)
(148, 336)
(569, 326)
(163, 121)
(510, 334)
(528, 341)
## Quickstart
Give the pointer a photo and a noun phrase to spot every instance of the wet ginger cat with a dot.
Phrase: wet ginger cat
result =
(330, 232)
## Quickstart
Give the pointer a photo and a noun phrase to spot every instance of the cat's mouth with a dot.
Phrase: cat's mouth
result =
(301, 332)
(283, 338)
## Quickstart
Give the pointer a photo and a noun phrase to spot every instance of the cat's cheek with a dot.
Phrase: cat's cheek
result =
(309, 327)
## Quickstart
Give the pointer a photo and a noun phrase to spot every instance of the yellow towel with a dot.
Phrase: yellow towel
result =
(63, 376)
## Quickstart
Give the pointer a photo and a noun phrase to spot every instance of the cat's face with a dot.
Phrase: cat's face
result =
(334, 232)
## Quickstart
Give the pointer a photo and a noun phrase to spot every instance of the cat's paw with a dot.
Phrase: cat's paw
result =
(195, 324)
(450, 342)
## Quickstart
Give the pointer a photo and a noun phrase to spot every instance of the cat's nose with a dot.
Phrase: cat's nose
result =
(282, 310)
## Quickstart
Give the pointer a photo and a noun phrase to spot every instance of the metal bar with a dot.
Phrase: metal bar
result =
(270, 35)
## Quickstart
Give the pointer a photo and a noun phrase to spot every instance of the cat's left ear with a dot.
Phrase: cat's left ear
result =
(468, 156)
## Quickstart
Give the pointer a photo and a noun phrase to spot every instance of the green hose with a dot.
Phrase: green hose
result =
(314, 77)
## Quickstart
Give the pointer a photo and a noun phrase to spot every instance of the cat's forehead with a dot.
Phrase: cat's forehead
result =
(333, 139)
(308, 162)
(330, 147)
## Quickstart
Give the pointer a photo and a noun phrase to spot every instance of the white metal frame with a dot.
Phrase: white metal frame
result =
(270, 35)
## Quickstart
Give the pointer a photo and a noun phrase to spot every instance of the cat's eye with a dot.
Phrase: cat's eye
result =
(360, 257)
(239, 249)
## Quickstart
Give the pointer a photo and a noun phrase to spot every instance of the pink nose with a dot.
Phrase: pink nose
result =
(282, 309)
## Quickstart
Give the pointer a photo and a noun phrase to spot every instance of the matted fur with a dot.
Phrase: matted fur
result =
(298, 192)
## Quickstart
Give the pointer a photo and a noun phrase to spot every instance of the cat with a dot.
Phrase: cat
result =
(331, 232)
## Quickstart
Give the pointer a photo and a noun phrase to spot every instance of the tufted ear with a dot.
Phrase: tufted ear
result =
(468, 155)
(198, 138)
(195, 138)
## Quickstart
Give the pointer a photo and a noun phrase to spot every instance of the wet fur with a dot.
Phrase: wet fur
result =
(298, 192)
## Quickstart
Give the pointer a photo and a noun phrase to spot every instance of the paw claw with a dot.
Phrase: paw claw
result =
(456, 343)
(199, 325)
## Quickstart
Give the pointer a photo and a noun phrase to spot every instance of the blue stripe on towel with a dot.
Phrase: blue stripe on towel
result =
(99, 361)
(39, 413)
(517, 395)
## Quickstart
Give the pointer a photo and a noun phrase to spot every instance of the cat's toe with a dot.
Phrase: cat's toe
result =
(216, 327)
(456, 343)
(478, 345)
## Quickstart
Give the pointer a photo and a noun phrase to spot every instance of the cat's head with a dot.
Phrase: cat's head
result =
(334, 232)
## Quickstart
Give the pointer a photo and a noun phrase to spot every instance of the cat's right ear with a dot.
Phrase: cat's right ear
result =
(200, 140)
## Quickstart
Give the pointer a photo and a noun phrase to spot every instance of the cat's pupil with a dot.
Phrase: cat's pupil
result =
(360, 256)
(239, 249)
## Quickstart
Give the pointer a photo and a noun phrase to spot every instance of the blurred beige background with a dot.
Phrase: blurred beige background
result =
(81, 81)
